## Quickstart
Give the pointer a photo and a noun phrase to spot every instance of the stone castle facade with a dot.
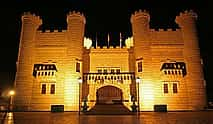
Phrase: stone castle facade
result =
(155, 67)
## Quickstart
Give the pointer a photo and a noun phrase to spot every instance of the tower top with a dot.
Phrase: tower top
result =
(140, 13)
(186, 17)
(31, 17)
(188, 13)
(74, 14)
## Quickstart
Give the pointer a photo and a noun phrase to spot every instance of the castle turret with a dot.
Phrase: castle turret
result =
(75, 26)
(140, 27)
(30, 24)
(195, 78)
(75, 37)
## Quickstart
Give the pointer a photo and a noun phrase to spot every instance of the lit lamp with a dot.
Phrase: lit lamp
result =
(11, 94)
(138, 81)
(80, 82)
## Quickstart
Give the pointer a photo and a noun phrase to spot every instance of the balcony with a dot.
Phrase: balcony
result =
(124, 77)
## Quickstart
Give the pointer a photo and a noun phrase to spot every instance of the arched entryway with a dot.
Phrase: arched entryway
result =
(109, 95)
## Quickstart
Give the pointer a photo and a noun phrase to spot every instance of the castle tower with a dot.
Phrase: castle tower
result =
(195, 78)
(75, 36)
(30, 24)
(140, 27)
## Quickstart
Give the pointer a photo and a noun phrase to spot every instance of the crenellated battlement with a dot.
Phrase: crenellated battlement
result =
(186, 17)
(52, 31)
(32, 17)
(188, 13)
(140, 13)
(74, 15)
(164, 29)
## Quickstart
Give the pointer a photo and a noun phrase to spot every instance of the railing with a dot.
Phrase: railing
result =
(102, 77)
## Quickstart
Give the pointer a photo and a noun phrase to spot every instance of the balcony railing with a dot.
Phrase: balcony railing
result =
(102, 77)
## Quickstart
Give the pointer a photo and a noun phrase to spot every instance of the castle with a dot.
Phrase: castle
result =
(154, 67)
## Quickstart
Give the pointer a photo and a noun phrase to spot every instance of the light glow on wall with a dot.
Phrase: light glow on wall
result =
(146, 95)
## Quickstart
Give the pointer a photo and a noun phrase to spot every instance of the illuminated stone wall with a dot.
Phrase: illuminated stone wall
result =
(156, 47)
(25, 62)
(110, 58)
(61, 48)
(196, 83)
(169, 56)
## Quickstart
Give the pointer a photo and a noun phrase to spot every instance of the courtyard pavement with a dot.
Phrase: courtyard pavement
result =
(201, 117)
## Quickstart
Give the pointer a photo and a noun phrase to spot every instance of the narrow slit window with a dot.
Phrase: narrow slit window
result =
(77, 67)
(139, 66)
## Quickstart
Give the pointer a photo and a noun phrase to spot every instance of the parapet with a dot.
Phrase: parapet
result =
(187, 15)
(74, 14)
(31, 17)
(164, 29)
(49, 31)
(145, 12)
(140, 13)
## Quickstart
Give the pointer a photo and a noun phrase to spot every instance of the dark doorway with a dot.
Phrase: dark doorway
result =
(109, 95)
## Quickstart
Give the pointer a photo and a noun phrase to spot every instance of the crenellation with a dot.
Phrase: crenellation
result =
(186, 18)
(164, 29)
(75, 13)
(27, 16)
(152, 29)
(51, 30)
(139, 12)
(190, 13)
(140, 15)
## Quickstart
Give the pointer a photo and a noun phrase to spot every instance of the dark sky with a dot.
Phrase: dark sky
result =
(103, 16)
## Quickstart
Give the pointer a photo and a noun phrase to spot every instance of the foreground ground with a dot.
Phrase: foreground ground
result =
(202, 117)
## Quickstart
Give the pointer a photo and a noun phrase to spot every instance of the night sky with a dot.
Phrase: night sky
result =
(103, 17)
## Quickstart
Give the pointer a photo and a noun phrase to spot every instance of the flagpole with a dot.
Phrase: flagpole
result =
(120, 40)
(96, 40)
(108, 40)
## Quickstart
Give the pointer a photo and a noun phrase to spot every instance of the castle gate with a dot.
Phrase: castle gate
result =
(109, 88)
(109, 95)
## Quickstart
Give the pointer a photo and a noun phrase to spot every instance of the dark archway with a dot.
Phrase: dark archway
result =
(109, 95)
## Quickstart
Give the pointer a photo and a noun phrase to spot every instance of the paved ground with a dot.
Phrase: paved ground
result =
(73, 118)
